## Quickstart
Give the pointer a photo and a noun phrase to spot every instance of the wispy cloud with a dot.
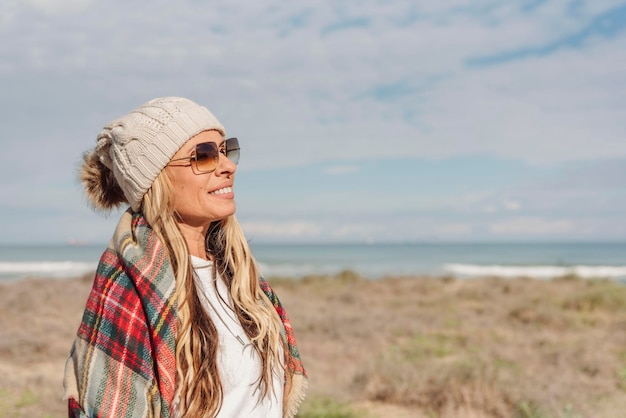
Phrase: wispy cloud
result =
(532, 226)
(447, 104)
(346, 24)
(608, 25)
(282, 230)
(341, 169)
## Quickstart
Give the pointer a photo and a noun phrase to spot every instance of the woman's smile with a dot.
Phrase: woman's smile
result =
(223, 191)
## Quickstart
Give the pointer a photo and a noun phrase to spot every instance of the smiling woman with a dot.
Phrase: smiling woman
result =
(178, 322)
(204, 193)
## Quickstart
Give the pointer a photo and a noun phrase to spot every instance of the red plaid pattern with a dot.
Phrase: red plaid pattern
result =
(123, 361)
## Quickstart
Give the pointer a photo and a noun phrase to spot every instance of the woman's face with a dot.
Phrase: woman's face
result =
(201, 198)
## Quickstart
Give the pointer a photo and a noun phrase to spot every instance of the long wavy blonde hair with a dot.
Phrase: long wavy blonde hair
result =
(199, 387)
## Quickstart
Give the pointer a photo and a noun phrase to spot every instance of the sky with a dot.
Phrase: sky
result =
(360, 121)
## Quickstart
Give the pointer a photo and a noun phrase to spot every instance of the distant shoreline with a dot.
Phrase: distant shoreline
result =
(372, 261)
(513, 274)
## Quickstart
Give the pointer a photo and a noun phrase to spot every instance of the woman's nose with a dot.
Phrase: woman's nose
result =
(225, 166)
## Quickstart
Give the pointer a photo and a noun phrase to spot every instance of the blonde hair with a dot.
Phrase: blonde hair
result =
(198, 381)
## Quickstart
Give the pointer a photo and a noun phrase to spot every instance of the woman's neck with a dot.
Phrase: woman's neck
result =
(195, 239)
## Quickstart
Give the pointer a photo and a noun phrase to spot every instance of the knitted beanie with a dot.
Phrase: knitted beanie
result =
(137, 146)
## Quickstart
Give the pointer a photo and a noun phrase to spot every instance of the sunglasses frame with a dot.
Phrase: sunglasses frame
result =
(230, 144)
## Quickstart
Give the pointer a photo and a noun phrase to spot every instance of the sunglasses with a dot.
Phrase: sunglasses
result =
(206, 155)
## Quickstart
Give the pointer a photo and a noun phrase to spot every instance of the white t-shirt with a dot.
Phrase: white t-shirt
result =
(239, 364)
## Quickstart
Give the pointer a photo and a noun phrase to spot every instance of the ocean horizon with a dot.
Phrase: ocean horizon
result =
(463, 260)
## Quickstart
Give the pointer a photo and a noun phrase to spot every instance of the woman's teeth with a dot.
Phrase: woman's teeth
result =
(222, 191)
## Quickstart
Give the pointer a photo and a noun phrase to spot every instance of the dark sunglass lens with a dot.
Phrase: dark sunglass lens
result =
(207, 156)
(233, 155)
(232, 150)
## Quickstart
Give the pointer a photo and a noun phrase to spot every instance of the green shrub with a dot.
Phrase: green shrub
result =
(328, 408)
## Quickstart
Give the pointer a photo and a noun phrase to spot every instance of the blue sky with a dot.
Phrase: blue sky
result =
(360, 121)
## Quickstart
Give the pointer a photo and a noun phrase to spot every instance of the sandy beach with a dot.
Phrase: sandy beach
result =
(393, 347)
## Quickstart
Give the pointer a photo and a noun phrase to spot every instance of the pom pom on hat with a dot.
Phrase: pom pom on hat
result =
(136, 147)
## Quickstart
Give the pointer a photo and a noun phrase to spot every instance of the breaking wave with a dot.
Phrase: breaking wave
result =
(56, 269)
(539, 272)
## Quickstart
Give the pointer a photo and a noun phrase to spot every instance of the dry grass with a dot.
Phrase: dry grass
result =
(395, 347)
(466, 348)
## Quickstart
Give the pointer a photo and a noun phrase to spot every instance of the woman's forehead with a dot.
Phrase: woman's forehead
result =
(205, 136)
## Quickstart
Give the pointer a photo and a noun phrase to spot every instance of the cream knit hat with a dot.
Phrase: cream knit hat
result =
(137, 146)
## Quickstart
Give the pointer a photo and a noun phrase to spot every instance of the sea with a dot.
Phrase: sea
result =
(462, 260)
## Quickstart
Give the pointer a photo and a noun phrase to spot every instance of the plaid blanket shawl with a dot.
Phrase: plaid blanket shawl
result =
(123, 362)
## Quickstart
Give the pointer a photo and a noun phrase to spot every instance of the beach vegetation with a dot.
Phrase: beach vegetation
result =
(26, 398)
(318, 282)
(14, 404)
(342, 278)
(4, 403)
(621, 376)
(326, 407)
(527, 409)
(598, 295)
(391, 347)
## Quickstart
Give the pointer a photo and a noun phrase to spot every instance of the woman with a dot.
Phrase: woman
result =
(178, 322)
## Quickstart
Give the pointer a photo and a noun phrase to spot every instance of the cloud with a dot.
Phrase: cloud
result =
(608, 24)
(336, 86)
(490, 209)
(453, 230)
(58, 6)
(280, 229)
(512, 205)
(528, 226)
(406, 82)
(341, 169)
(346, 24)
(357, 232)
